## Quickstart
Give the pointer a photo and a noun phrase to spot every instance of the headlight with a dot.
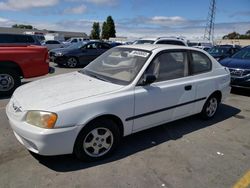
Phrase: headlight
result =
(58, 54)
(41, 119)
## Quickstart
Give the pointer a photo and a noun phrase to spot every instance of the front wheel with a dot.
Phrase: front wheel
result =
(97, 140)
(9, 81)
(210, 107)
(72, 62)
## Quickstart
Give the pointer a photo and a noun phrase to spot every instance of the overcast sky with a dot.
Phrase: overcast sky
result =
(133, 18)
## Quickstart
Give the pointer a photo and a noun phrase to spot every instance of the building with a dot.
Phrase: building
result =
(66, 34)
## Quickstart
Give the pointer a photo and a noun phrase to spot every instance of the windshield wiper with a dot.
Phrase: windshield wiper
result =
(93, 75)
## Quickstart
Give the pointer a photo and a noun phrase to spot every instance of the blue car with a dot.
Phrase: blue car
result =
(239, 66)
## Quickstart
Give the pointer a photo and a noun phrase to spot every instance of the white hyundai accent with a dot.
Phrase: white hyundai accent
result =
(125, 90)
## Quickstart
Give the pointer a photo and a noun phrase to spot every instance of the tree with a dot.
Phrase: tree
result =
(232, 35)
(111, 27)
(105, 34)
(21, 26)
(95, 33)
(108, 28)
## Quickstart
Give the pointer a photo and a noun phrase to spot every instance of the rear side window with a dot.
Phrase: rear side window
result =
(172, 42)
(200, 63)
(104, 46)
(16, 39)
(24, 39)
(7, 39)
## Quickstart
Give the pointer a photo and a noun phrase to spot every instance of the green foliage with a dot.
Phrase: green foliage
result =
(105, 34)
(21, 26)
(111, 27)
(235, 35)
(96, 30)
(108, 28)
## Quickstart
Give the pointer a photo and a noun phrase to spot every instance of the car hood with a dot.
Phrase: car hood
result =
(54, 91)
(236, 63)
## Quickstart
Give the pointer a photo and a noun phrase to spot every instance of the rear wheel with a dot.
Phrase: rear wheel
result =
(97, 140)
(72, 62)
(210, 107)
(9, 81)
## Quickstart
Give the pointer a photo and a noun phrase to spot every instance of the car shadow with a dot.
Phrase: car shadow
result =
(241, 91)
(141, 141)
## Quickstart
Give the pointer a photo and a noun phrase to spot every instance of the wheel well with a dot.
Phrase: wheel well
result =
(11, 65)
(116, 119)
(218, 94)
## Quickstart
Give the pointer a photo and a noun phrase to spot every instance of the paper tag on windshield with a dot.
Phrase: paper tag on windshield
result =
(140, 53)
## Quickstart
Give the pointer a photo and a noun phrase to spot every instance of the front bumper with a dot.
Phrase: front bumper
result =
(56, 141)
(243, 82)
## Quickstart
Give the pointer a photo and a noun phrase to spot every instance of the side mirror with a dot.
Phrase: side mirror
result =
(148, 79)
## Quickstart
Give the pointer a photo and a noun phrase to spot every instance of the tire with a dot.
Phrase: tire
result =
(72, 62)
(9, 81)
(210, 107)
(97, 140)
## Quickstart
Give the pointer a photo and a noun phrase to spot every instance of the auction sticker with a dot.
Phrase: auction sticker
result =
(139, 53)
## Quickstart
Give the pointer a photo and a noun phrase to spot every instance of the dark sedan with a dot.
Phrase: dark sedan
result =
(223, 51)
(239, 66)
(81, 53)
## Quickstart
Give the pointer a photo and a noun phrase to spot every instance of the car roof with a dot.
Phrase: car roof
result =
(152, 47)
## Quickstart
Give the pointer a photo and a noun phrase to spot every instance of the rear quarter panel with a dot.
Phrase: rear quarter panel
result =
(31, 59)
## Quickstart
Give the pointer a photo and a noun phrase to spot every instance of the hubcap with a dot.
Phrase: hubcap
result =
(212, 106)
(72, 62)
(6, 82)
(98, 142)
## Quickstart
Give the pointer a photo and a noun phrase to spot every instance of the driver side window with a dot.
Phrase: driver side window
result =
(169, 65)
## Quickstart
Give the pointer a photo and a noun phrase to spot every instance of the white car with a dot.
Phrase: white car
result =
(125, 90)
(162, 40)
(52, 44)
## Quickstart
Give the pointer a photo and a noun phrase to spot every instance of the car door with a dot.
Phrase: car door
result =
(103, 47)
(88, 53)
(56, 44)
(170, 97)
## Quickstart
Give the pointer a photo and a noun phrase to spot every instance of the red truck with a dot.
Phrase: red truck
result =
(21, 61)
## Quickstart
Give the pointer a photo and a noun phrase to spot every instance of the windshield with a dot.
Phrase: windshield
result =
(218, 50)
(242, 54)
(118, 65)
(144, 42)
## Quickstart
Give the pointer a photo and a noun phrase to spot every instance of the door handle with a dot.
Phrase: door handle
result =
(188, 87)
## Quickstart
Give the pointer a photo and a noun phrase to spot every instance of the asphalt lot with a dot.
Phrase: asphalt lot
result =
(185, 153)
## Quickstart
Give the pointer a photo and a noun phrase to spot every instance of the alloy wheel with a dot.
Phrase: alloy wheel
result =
(98, 142)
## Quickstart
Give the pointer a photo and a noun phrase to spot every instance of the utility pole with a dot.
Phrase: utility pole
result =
(209, 31)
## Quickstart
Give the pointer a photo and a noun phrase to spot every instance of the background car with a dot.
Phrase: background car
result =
(222, 51)
(82, 53)
(72, 41)
(239, 66)
(162, 40)
(52, 44)
(19, 39)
